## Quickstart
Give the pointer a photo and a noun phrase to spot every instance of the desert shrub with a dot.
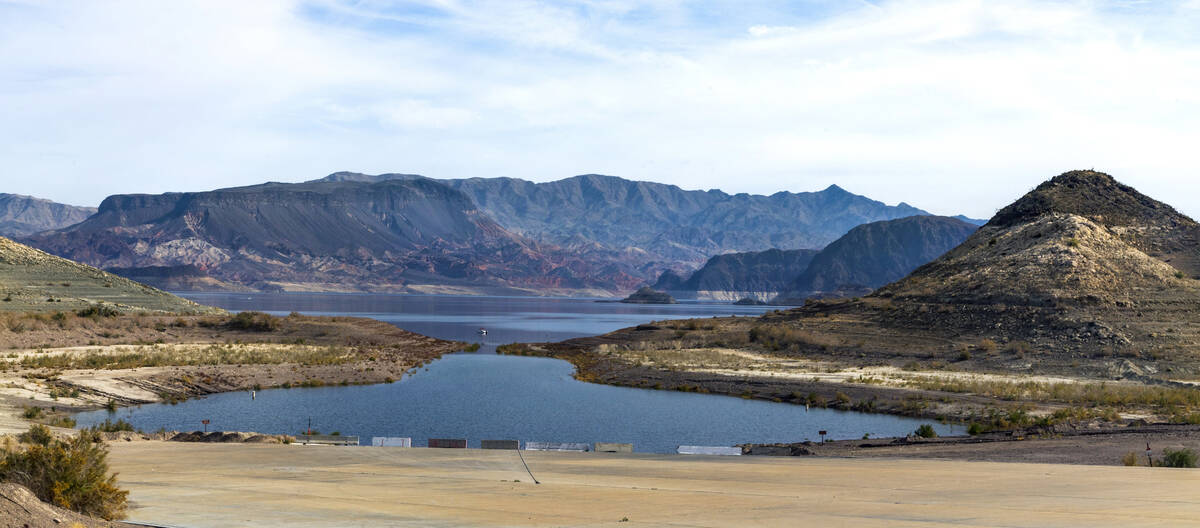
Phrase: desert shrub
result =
(32, 413)
(1179, 458)
(109, 426)
(254, 321)
(97, 311)
(975, 428)
(1130, 459)
(926, 431)
(987, 345)
(69, 473)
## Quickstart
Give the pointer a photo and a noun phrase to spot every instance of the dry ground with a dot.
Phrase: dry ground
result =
(241, 485)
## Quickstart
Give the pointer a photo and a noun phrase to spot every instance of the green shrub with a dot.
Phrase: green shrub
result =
(1130, 459)
(71, 473)
(1179, 458)
(109, 426)
(32, 413)
(97, 311)
(254, 321)
(976, 428)
(926, 431)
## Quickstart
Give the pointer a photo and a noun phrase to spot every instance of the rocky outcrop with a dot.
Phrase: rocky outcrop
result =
(647, 295)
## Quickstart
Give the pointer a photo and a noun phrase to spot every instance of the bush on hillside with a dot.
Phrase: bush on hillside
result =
(70, 473)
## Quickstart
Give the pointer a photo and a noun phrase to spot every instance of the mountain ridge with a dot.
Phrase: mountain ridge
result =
(22, 215)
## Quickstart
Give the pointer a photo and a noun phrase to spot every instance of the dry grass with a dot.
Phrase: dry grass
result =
(128, 357)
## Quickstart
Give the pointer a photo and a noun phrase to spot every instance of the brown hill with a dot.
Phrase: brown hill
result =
(1081, 275)
(33, 280)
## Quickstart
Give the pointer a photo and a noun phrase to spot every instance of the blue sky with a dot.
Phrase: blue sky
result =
(955, 106)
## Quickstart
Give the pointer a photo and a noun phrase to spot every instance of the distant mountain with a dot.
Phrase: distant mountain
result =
(759, 275)
(642, 223)
(969, 220)
(25, 215)
(393, 234)
(32, 280)
(875, 254)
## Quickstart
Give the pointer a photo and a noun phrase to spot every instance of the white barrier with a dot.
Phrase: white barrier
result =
(556, 446)
(709, 450)
(391, 441)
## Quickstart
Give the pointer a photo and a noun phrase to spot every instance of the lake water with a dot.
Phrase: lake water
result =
(487, 396)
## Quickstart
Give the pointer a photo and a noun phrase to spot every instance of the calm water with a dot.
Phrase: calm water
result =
(487, 396)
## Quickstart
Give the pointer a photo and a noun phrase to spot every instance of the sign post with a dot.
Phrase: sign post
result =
(822, 433)
(205, 422)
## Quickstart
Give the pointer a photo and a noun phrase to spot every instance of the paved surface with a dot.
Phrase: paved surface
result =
(194, 485)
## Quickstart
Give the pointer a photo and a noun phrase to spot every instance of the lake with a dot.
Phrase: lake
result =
(487, 396)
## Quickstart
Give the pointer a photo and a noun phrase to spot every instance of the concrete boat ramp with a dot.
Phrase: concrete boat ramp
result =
(211, 485)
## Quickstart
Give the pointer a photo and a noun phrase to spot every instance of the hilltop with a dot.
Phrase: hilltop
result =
(25, 215)
(32, 280)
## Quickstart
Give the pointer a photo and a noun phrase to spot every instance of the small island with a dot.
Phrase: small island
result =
(749, 301)
(646, 295)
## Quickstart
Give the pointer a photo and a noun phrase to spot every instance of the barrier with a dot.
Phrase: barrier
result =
(391, 441)
(611, 447)
(500, 444)
(709, 450)
(327, 439)
(448, 443)
(557, 446)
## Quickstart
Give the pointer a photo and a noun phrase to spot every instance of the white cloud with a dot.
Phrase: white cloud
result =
(954, 106)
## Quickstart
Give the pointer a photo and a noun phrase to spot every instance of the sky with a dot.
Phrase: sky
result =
(955, 106)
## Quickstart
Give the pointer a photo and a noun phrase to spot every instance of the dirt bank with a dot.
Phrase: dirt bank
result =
(195, 356)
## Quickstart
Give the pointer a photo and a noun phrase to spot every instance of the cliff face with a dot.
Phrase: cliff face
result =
(25, 215)
(875, 254)
(330, 235)
(732, 276)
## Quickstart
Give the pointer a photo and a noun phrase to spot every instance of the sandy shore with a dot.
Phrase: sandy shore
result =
(200, 485)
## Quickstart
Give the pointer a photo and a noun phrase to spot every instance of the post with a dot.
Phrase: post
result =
(205, 422)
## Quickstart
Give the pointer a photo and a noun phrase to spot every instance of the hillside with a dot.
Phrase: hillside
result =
(732, 276)
(1082, 274)
(393, 235)
(872, 255)
(642, 223)
(32, 280)
(25, 215)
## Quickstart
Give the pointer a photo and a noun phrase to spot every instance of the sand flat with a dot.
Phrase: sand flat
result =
(195, 485)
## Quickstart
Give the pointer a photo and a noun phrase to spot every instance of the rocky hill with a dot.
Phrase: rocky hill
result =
(640, 223)
(758, 274)
(389, 235)
(25, 215)
(872, 255)
(32, 280)
(1081, 274)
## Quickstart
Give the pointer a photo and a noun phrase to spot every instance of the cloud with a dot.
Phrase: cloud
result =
(953, 106)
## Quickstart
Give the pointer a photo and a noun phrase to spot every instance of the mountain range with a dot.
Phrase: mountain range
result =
(25, 215)
(407, 233)
(867, 257)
